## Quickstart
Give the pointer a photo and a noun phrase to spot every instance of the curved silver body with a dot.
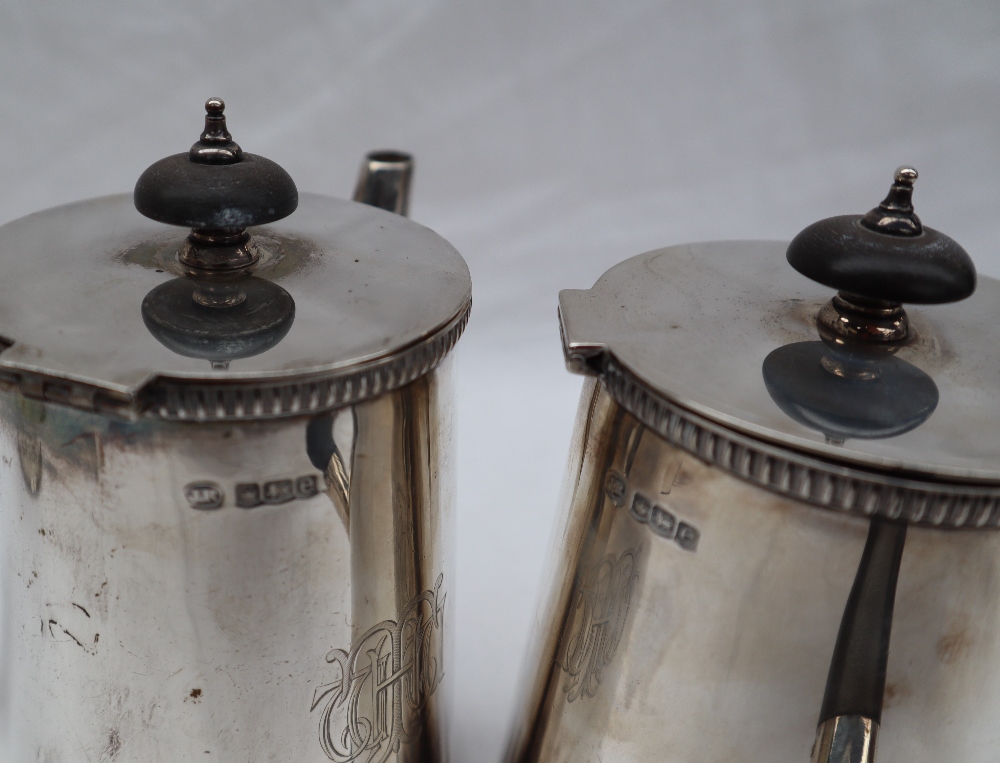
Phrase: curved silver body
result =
(693, 614)
(176, 592)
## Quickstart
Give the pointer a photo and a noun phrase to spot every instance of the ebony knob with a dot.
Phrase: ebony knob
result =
(215, 185)
(877, 262)
(218, 310)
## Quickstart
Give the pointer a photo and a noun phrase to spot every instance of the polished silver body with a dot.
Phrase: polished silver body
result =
(185, 574)
(647, 650)
(140, 627)
(709, 542)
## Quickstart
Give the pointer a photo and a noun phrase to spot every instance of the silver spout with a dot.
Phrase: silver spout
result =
(384, 181)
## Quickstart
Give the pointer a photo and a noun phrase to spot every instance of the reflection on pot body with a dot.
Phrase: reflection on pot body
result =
(725, 652)
(140, 624)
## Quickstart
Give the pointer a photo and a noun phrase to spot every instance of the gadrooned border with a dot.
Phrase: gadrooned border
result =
(820, 483)
(179, 400)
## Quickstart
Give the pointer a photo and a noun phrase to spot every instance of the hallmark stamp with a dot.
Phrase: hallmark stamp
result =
(641, 508)
(252, 494)
(278, 491)
(204, 496)
(306, 487)
(375, 701)
(687, 536)
(598, 613)
(616, 488)
(248, 495)
(661, 520)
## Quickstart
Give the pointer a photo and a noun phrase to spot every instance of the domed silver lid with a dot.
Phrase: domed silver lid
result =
(852, 403)
(274, 304)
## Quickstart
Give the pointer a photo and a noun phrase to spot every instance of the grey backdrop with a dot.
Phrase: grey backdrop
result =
(553, 140)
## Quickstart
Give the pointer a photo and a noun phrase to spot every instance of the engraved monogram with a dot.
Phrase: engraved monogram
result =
(598, 613)
(376, 701)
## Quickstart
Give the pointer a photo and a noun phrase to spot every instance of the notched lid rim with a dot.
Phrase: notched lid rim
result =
(260, 397)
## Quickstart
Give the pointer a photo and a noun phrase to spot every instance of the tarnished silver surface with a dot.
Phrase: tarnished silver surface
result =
(846, 739)
(379, 300)
(693, 324)
(176, 592)
(692, 616)
(239, 549)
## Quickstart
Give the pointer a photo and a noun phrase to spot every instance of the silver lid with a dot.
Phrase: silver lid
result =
(717, 347)
(378, 301)
(272, 304)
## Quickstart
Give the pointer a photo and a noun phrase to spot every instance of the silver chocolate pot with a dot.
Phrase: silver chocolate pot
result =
(226, 483)
(782, 506)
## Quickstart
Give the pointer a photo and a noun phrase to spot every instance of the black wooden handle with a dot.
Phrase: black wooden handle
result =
(856, 682)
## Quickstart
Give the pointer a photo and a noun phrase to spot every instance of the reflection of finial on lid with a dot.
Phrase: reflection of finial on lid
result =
(180, 322)
(845, 396)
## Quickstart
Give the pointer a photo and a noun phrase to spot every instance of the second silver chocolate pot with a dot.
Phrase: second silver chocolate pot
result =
(780, 540)
(226, 484)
